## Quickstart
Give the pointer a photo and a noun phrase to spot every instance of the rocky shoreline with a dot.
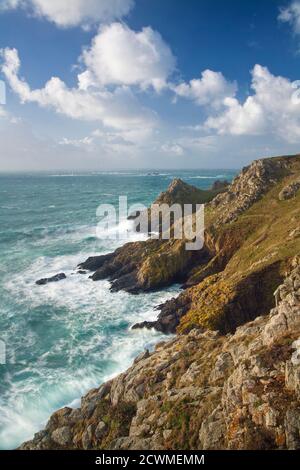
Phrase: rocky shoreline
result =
(198, 391)
(230, 379)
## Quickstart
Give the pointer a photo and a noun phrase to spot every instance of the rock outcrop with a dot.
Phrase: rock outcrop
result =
(249, 186)
(182, 193)
(219, 185)
(46, 280)
(200, 390)
(289, 191)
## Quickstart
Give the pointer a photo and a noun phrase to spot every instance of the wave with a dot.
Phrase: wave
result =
(200, 177)
(66, 337)
(77, 336)
(205, 177)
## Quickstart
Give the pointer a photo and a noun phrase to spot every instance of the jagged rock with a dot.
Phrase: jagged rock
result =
(223, 363)
(289, 191)
(144, 266)
(144, 355)
(248, 187)
(292, 428)
(62, 436)
(95, 262)
(212, 431)
(219, 185)
(100, 430)
(56, 278)
(87, 437)
(182, 193)
(243, 290)
(169, 317)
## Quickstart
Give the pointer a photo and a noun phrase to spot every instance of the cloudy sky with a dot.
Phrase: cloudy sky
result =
(106, 84)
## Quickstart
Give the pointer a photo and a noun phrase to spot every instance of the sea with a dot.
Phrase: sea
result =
(60, 340)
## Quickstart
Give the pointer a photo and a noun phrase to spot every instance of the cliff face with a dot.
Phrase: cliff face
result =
(231, 378)
(253, 237)
(199, 391)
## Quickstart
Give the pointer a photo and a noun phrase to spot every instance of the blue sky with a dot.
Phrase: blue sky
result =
(148, 83)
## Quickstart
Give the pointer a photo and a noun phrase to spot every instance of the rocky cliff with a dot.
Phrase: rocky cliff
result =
(200, 390)
(230, 379)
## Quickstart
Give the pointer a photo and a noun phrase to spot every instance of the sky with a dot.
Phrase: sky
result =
(117, 84)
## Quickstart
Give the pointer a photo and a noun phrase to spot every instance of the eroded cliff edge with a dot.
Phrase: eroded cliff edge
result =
(217, 385)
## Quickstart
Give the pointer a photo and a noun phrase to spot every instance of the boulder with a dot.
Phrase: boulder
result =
(219, 185)
(100, 430)
(62, 436)
(289, 191)
(47, 280)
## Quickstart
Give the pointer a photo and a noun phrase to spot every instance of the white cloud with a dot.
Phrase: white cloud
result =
(101, 140)
(273, 108)
(172, 148)
(81, 12)
(117, 60)
(211, 89)
(25, 149)
(84, 142)
(118, 109)
(291, 15)
(207, 144)
(121, 56)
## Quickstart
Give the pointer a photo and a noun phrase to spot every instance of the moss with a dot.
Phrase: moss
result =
(164, 266)
(179, 418)
(119, 419)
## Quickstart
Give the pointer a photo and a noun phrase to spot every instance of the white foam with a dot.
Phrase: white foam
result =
(88, 339)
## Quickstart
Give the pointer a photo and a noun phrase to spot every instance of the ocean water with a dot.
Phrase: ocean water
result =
(64, 338)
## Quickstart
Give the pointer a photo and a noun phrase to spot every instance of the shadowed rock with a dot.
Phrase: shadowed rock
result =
(47, 280)
(219, 185)
(289, 191)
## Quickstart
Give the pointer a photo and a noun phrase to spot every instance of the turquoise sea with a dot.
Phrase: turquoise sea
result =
(64, 338)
